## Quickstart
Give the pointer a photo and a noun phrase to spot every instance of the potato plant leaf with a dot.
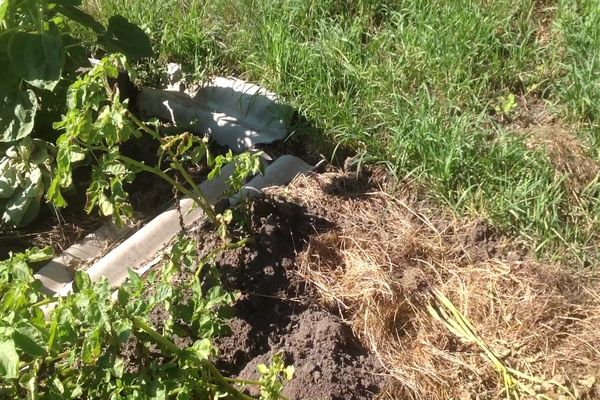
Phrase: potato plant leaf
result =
(26, 338)
(9, 359)
(38, 58)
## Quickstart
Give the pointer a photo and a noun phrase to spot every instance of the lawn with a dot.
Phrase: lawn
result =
(492, 106)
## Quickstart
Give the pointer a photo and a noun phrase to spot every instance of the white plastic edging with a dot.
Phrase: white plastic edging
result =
(142, 246)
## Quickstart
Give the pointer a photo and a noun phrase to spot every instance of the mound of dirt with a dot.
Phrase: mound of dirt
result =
(451, 308)
(278, 314)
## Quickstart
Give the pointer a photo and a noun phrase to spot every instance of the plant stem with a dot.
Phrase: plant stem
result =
(193, 184)
(168, 345)
(47, 300)
(197, 197)
(140, 324)
(143, 126)
(242, 381)
(223, 381)
(226, 246)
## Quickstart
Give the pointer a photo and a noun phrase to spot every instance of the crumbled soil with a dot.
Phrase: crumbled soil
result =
(278, 314)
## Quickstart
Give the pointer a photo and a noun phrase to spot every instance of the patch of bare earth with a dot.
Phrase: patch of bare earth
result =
(390, 262)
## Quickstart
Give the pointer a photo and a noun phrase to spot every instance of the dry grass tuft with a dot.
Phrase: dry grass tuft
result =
(567, 153)
(383, 265)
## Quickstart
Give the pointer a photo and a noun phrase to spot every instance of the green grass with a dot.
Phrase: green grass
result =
(414, 84)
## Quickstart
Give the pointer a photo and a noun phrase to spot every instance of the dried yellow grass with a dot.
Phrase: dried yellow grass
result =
(383, 266)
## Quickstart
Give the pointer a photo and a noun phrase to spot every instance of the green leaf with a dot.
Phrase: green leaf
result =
(25, 339)
(288, 372)
(38, 58)
(3, 8)
(82, 281)
(9, 359)
(118, 367)
(17, 113)
(123, 328)
(79, 16)
(262, 369)
(127, 38)
(202, 349)
(54, 195)
(36, 255)
(134, 279)
(8, 179)
(24, 204)
(58, 385)
(91, 347)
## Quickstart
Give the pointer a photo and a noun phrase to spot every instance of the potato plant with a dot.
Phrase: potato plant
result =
(72, 347)
(97, 122)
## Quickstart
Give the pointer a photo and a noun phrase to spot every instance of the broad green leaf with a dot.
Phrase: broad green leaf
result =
(17, 112)
(79, 16)
(24, 204)
(8, 179)
(9, 359)
(38, 58)
(40, 153)
(127, 38)
(25, 339)
(123, 328)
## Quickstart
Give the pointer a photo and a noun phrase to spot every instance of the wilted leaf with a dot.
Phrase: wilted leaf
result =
(17, 113)
(37, 58)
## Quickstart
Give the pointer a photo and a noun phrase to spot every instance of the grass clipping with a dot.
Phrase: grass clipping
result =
(438, 302)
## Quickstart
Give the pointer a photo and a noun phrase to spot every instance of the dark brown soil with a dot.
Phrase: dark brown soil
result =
(278, 314)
